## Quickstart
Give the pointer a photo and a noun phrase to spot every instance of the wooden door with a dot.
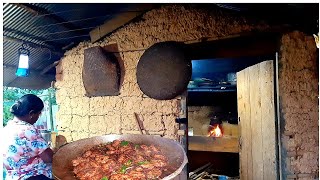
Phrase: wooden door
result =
(257, 122)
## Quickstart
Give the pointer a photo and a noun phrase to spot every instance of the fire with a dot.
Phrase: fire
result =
(215, 131)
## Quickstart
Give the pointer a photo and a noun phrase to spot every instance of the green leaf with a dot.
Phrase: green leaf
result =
(124, 143)
(129, 162)
(123, 169)
(143, 162)
(104, 178)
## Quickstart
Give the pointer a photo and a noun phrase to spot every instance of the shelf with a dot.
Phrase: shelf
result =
(210, 90)
(217, 88)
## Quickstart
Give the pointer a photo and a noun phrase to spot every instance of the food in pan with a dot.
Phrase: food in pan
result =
(121, 160)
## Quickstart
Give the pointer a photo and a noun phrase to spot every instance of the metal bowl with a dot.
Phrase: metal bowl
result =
(46, 134)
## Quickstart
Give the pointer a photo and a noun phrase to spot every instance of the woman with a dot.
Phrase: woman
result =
(25, 151)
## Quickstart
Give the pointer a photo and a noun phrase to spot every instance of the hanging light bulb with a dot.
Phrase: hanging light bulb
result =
(23, 66)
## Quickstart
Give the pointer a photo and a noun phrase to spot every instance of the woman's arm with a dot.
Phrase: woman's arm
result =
(46, 155)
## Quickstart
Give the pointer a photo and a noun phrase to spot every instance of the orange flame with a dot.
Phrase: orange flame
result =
(215, 131)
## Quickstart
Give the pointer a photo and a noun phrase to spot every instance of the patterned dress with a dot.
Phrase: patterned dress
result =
(21, 145)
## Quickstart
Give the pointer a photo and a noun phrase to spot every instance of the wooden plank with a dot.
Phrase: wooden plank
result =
(222, 144)
(46, 69)
(268, 120)
(243, 94)
(256, 125)
(240, 101)
(256, 111)
(111, 25)
(118, 21)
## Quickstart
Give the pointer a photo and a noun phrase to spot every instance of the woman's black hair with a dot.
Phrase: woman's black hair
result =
(25, 104)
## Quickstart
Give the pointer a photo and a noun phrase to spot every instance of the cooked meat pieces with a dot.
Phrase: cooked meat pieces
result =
(158, 163)
(153, 148)
(137, 174)
(120, 160)
(159, 156)
(154, 173)
(119, 177)
(116, 143)
(147, 166)
(101, 158)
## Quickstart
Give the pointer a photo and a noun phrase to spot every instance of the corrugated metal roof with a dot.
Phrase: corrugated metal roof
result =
(55, 26)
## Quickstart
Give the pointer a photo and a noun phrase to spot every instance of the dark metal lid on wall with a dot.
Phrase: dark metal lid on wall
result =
(164, 71)
(101, 73)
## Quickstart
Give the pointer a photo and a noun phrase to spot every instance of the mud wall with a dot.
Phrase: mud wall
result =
(299, 109)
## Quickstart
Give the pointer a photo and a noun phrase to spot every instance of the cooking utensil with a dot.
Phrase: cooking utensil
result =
(101, 73)
(62, 160)
(46, 134)
(140, 125)
(164, 71)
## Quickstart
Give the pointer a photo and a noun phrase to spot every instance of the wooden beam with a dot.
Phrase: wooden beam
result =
(32, 11)
(222, 144)
(46, 69)
(254, 44)
(117, 22)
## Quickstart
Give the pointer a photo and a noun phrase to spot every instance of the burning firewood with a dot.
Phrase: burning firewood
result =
(215, 131)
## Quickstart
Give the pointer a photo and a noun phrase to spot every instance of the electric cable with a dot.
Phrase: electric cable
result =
(66, 38)
(71, 21)
(77, 20)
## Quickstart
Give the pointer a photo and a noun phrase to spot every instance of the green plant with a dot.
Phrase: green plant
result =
(6, 115)
(11, 94)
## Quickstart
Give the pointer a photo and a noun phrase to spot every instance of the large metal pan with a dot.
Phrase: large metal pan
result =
(62, 165)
